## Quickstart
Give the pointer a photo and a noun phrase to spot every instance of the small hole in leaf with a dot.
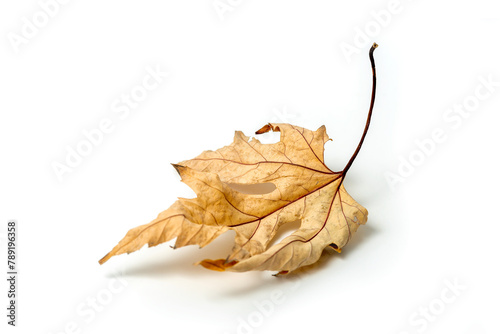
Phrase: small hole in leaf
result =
(284, 231)
(253, 189)
(270, 137)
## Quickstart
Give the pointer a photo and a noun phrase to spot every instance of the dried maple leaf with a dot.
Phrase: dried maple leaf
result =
(305, 189)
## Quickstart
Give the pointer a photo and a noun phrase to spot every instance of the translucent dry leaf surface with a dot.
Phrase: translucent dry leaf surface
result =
(305, 190)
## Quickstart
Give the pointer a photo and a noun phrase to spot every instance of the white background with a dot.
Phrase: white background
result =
(261, 61)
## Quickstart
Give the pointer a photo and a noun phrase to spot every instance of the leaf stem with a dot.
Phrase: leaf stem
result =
(374, 85)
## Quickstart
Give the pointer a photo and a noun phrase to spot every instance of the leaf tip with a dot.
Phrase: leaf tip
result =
(335, 247)
(264, 129)
(216, 265)
(105, 258)
(178, 168)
